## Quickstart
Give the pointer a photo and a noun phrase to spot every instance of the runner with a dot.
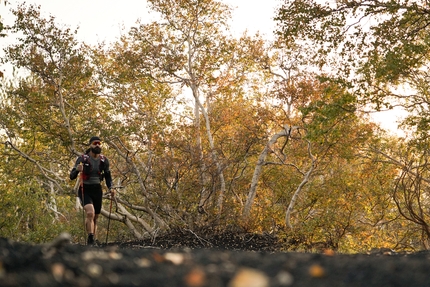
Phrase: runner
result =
(94, 167)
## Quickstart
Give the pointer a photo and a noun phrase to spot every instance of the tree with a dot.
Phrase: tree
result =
(374, 47)
(64, 76)
(189, 47)
(379, 52)
(193, 120)
(309, 110)
(410, 190)
(46, 114)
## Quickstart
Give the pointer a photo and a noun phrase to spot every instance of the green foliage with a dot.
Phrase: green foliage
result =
(379, 52)
(375, 47)
(26, 213)
(185, 110)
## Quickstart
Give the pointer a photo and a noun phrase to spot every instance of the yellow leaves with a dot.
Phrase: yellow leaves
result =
(141, 94)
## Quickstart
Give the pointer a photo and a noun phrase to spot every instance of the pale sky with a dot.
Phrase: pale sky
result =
(100, 20)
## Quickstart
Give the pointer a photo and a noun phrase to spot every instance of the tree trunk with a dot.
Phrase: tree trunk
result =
(259, 167)
(299, 189)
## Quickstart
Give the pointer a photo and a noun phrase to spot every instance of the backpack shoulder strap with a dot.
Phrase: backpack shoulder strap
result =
(102, 163)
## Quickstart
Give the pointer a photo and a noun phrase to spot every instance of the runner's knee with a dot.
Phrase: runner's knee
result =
(90, 215)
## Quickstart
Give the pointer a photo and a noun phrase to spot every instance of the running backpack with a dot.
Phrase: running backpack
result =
(88, 168)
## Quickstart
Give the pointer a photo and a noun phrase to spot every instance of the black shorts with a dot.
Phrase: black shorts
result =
(93, 194)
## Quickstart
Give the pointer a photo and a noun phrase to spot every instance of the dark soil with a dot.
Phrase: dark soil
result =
(190, 260)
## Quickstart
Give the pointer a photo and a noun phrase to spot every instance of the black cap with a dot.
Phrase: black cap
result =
(94, 139)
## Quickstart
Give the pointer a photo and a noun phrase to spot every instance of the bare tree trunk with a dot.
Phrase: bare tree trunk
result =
(52, 202)
(216, 160)
(258, 169)
(299, 189)
(204, 192)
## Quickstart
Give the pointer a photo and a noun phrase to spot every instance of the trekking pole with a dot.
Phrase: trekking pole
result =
(110, 212)
(81, 179)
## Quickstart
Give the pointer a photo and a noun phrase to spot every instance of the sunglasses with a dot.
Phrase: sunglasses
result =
(96, 143)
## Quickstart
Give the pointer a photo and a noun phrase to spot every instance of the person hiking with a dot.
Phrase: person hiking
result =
(94, 167)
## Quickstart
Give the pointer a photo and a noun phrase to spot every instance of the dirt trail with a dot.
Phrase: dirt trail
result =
(60, 263)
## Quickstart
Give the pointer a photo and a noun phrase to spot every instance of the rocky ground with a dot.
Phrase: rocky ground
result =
(189, 260)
